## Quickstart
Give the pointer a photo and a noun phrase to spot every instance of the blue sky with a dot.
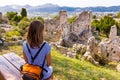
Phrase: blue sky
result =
(72, 3)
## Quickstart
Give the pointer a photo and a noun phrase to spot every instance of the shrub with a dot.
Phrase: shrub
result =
(12, 33)
(71, 20)
(104, 24)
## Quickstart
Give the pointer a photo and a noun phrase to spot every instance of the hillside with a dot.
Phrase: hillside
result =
(73, 69)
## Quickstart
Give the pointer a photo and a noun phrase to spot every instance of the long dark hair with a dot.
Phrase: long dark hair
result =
(35, 34)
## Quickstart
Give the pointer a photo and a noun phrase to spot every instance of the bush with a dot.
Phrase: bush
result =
(12, 33)
(11, 14)
(104, 24)
(38, 18)
(71, 20)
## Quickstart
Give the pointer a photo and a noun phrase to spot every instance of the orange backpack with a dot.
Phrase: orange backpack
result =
(30, 71)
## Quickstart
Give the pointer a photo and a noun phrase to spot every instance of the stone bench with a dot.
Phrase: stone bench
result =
(10, 66)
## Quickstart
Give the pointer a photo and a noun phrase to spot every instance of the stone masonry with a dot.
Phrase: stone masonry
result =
(106, 51)
(111, 48)
(59, 28)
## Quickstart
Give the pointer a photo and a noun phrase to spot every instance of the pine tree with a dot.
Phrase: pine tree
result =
(23, 13)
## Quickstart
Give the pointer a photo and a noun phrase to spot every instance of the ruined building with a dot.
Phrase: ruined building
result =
(111, 48)
(105, 51)
(77, 32)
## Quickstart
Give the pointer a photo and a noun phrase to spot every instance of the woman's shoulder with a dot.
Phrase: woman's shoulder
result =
(24, 42)
(47, 43)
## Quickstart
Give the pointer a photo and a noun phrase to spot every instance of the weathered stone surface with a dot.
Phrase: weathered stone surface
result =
(62, 49)
(111, 49)
(91, 51)
(118, 67)
(77, 32)
(69, 40)
(71, 54)
(79, 48)
(113, 34)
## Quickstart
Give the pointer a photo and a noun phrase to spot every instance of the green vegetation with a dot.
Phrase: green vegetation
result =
(11, 14)
(71, 20)
(38, 18)
(12, 33)
(23, 13)
(22, 25)
(73, 69)
(104, 25)
(14, 18)
(94, 16)
(118, 14)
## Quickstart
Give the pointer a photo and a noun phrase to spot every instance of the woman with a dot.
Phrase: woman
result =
(35, 41)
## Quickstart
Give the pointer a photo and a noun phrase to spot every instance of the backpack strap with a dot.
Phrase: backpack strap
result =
(29, 52)
(38, 51)
(33, 58)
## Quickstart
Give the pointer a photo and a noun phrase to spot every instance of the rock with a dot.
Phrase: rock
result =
(77, 32)
(69, 40)
(110, 50)
(71, 54)
(79, 48)
(118, 67)
(5, 44)
(62, 49)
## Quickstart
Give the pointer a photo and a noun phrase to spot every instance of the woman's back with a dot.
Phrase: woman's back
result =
(40, 57)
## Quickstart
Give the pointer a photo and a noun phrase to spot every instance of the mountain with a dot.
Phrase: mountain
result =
(50, 8)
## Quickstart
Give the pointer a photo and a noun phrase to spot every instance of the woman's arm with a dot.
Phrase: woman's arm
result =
(48, 59)
(25, 57)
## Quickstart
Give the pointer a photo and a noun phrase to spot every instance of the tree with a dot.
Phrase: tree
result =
(94, 16)
(11, 14)
(118, 14)
(71, 20)
(38, 18)
(23, 13)
(41, 19)
(104, 24)
(96, 24)
(16, 18)
(23, 24)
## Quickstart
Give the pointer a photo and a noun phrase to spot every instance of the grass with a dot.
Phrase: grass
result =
(72, 69)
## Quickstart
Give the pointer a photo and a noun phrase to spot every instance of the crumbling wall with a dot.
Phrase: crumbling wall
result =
(106, 51)
(80, 28)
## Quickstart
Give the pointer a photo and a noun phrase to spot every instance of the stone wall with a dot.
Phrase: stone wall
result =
(111, 48)
(106, 51)
(60, 28)
(82, 23)
(80, 28)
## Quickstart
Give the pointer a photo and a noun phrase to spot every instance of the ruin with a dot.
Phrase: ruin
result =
(106, 51)
(111, 48)
(60, 29)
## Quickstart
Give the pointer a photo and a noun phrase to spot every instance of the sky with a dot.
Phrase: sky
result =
(71, 3)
